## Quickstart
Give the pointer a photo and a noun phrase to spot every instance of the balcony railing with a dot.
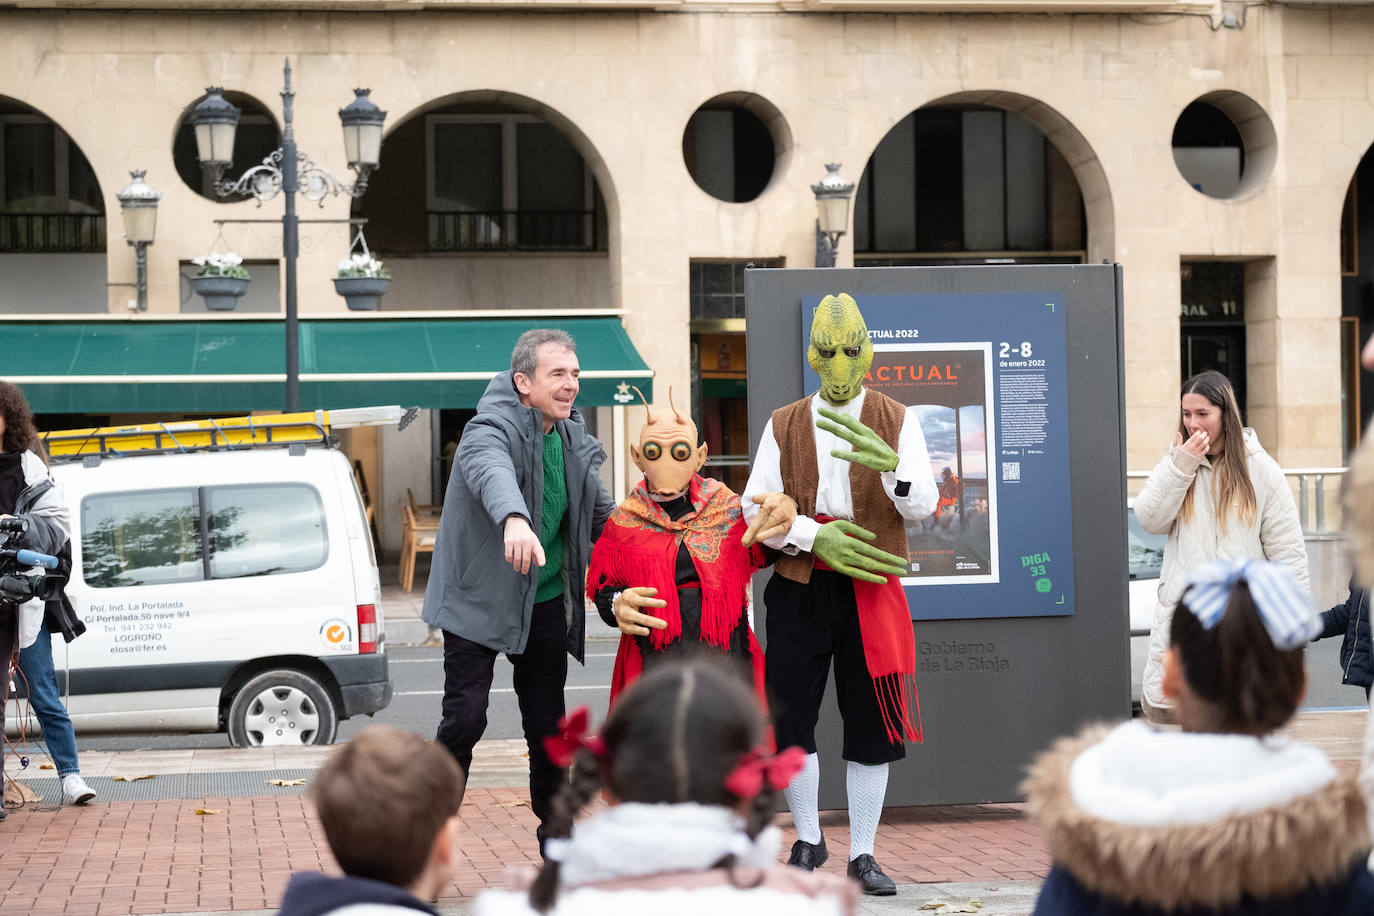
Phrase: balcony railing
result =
(1318, 497)
(51, 233)
(513, 230)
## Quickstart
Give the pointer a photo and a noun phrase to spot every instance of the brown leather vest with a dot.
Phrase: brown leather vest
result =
(792, 428)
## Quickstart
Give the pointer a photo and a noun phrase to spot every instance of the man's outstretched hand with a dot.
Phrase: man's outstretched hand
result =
(777, 512)
(869, 448)
(838, 544)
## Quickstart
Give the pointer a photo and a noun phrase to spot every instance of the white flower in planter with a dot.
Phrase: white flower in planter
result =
(221, 265)
(362, 265)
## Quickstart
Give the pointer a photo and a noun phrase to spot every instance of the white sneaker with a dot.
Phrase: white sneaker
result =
(75, 791)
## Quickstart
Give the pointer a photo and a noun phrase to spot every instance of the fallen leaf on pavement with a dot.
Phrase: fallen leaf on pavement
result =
(515, 804)
(47, 766)
(972, 906)
(18, 793)
(135, 778)
(933, 905)
(209, 811)
(286, 782)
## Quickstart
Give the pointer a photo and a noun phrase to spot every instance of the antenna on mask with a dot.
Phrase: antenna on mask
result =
(676, 412)
(648, 417)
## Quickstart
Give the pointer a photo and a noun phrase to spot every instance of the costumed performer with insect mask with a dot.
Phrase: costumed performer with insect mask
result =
(672, 568)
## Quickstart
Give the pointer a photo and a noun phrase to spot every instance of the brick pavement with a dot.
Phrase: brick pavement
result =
(161, 857)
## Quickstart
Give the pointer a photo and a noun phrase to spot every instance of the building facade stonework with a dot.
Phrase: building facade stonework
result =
(1105, 84)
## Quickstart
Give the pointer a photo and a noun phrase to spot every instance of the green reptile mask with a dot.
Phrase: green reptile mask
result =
(839, 351)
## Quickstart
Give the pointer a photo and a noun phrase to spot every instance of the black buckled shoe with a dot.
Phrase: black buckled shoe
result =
(870, 877)
(808, 856)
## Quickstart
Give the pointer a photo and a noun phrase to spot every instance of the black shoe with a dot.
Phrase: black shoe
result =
(808, 856)
(871, 877)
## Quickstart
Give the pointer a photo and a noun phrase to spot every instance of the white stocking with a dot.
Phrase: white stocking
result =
(867, 786)
(803, 798)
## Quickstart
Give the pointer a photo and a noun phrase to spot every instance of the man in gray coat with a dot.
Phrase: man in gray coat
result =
(524, 505)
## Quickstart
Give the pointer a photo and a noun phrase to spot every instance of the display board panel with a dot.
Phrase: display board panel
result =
(1019, 595)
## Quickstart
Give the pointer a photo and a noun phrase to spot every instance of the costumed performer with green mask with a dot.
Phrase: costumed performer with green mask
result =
(855, 461)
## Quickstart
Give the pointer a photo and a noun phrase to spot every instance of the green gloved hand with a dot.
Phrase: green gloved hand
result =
(836, 543)
(869, 448)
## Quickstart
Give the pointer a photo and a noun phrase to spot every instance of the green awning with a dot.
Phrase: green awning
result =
(230, 366)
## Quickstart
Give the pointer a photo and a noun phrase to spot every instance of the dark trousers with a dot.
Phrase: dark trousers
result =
(540, 674)
(808, 626)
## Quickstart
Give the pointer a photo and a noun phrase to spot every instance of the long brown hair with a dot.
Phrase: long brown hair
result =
(21, 434)
(1230, 470)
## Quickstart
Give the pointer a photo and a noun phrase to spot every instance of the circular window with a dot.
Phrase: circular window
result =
(732, 145)
(1224, 145)
(256, 137)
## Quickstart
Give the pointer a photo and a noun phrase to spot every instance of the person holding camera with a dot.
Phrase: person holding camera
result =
(36, 518)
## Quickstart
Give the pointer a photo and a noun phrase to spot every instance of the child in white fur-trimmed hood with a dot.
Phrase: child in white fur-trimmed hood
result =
(691, 790)
(1223, 817)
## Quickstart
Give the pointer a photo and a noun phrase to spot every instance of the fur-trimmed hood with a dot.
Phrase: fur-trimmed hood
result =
(1172, 819)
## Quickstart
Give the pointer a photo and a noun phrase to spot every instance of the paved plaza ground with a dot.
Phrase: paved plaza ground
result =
(145, 846)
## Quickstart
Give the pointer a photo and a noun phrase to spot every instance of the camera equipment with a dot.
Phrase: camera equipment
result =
(17, 584)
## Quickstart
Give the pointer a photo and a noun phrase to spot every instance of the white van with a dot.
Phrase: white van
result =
(222, 590)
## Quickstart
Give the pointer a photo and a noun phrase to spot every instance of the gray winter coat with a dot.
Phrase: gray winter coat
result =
(498, 472)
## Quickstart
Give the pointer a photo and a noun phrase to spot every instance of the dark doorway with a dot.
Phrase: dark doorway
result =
(1212, 321)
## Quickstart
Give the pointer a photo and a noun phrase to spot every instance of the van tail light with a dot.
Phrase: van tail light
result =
(367, 628)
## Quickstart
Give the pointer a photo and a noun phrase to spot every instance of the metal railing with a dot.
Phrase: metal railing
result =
(513, 230)
(51, 233)
(1313, 487)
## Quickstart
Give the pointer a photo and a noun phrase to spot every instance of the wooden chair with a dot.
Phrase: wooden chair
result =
(422, 511)
(416, 538)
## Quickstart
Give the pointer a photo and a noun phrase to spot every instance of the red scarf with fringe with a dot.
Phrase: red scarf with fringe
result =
(639, 547)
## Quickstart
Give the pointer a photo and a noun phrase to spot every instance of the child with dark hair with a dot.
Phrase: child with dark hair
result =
(690, 795)
(1350, 619)
(388, 801)
(1223, 817)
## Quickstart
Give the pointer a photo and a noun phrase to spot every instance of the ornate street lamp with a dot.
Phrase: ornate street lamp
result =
(215, 120)
(288, 170)
(138, 206)
(832, 213)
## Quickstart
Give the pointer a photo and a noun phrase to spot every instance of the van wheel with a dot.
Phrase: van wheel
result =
(282, 707)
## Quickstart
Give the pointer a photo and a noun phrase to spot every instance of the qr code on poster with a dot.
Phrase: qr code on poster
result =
(1011, 470)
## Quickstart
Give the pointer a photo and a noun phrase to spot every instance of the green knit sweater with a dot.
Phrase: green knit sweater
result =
(551, 519)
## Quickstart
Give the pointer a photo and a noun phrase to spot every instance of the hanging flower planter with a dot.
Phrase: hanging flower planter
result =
(361, 294)
(221, 282)
(362, 281)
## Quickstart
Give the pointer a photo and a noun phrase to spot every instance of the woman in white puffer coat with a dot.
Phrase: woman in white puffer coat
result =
(1217, 495)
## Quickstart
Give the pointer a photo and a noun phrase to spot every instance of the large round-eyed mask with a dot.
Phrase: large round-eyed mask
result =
(668, 454)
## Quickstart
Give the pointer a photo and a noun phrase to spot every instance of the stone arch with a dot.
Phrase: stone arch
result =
(504, 99)
(54, 232)
(1072, 145)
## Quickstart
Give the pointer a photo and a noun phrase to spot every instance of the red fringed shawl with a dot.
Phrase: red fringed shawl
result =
(639, 547)
(889, 650)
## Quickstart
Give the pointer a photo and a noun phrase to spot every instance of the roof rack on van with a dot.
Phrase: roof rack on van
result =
(311, 428)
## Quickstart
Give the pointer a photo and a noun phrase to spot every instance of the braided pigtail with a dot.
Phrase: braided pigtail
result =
(570, 799)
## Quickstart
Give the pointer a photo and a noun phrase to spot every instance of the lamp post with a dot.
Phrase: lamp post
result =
(290, 171)
(138, 206)
(832, 213)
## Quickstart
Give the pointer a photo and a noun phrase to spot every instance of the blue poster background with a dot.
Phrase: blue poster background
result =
(1028, 478)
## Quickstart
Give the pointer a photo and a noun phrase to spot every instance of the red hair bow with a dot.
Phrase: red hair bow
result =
(747, 779)
(572, 736)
